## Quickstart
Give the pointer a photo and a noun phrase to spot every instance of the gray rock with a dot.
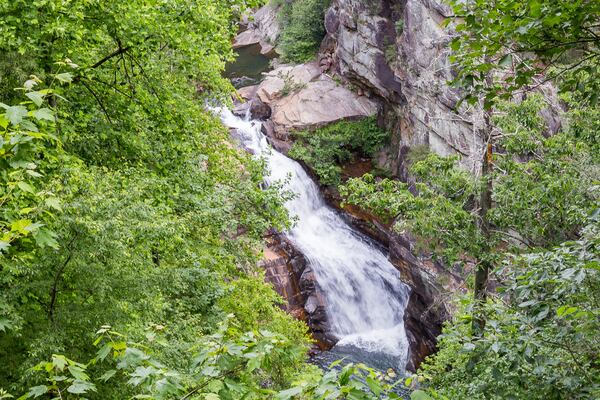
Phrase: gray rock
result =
(259, 110)
(301, 97)
(263, 30)
(409, 71)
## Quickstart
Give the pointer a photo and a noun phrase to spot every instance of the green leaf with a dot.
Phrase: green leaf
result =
(81, 387)
(565, 310)
(36, 97)
(59, 362)
(141, 374)
(15, 114)
(26, 187)
(107, 375)
(374, 386)
(22, 226)
(78, 373)
(506, 60)
(289, 393)
(43, 114)
(4, 245)
(419, 395)
(104, 351)
(65, 77)
(53, 202)
(46, 238)
(37, 391)
(5, 324)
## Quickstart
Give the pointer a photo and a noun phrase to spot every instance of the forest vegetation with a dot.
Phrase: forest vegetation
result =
(131, 228)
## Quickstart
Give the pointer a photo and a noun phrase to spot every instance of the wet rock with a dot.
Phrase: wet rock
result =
(268, 129)
(293, 278)
(259, 110)
(426, 309)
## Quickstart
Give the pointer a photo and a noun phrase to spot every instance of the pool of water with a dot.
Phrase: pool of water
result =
(248, 67)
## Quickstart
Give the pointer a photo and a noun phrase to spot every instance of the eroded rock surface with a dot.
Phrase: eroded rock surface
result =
(301, 97)
(263, 30)
(294, 280)
(398, 51)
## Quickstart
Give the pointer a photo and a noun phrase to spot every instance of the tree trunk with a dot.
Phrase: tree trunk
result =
(485, 204)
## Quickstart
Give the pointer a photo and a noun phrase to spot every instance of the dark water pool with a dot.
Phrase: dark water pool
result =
(248, 67)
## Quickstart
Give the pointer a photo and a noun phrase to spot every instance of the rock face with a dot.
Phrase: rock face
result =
(294, 280)
(426, 310)
(301, 97)
(397, 50)
(263, 30)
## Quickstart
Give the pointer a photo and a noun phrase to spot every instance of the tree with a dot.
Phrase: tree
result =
(146, 215)
(493, 49)
(524, 44)
(541, 340)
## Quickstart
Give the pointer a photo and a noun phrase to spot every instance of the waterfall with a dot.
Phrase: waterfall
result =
(365, 299)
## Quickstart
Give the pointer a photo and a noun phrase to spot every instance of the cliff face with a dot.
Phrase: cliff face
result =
(396, 50)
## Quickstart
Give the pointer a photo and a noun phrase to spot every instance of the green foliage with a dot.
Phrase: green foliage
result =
(399, 26)
(436, 214)
(324, 149)
(29, 150)
(217, 367)
(544, 190)
(122, 200)
(29, 154)
(302, 29)
(522, 39)
(541, 334)
(290, 85)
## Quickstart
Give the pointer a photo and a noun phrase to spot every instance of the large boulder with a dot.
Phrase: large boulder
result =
(263, 30)
(259, 110)
(301, 97)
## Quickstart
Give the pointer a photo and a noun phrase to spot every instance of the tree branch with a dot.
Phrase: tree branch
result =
(115, 53)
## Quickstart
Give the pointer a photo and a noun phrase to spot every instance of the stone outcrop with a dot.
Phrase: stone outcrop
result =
(262, 30)
(301, 97)
(294, 280)
(397, 50)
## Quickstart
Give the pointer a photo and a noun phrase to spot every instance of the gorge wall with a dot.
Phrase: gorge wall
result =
(388, 58)
(398, 52)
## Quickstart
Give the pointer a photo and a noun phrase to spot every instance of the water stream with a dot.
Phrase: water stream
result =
(365, 299)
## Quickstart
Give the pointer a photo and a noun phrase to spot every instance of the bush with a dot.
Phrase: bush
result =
(303, 29)
(325, 148)
(541, 339)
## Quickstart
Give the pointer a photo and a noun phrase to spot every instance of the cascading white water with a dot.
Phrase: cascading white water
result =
(365, 299)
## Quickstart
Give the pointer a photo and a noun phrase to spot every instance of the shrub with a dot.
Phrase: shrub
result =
(325, 148)
(303, 29)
